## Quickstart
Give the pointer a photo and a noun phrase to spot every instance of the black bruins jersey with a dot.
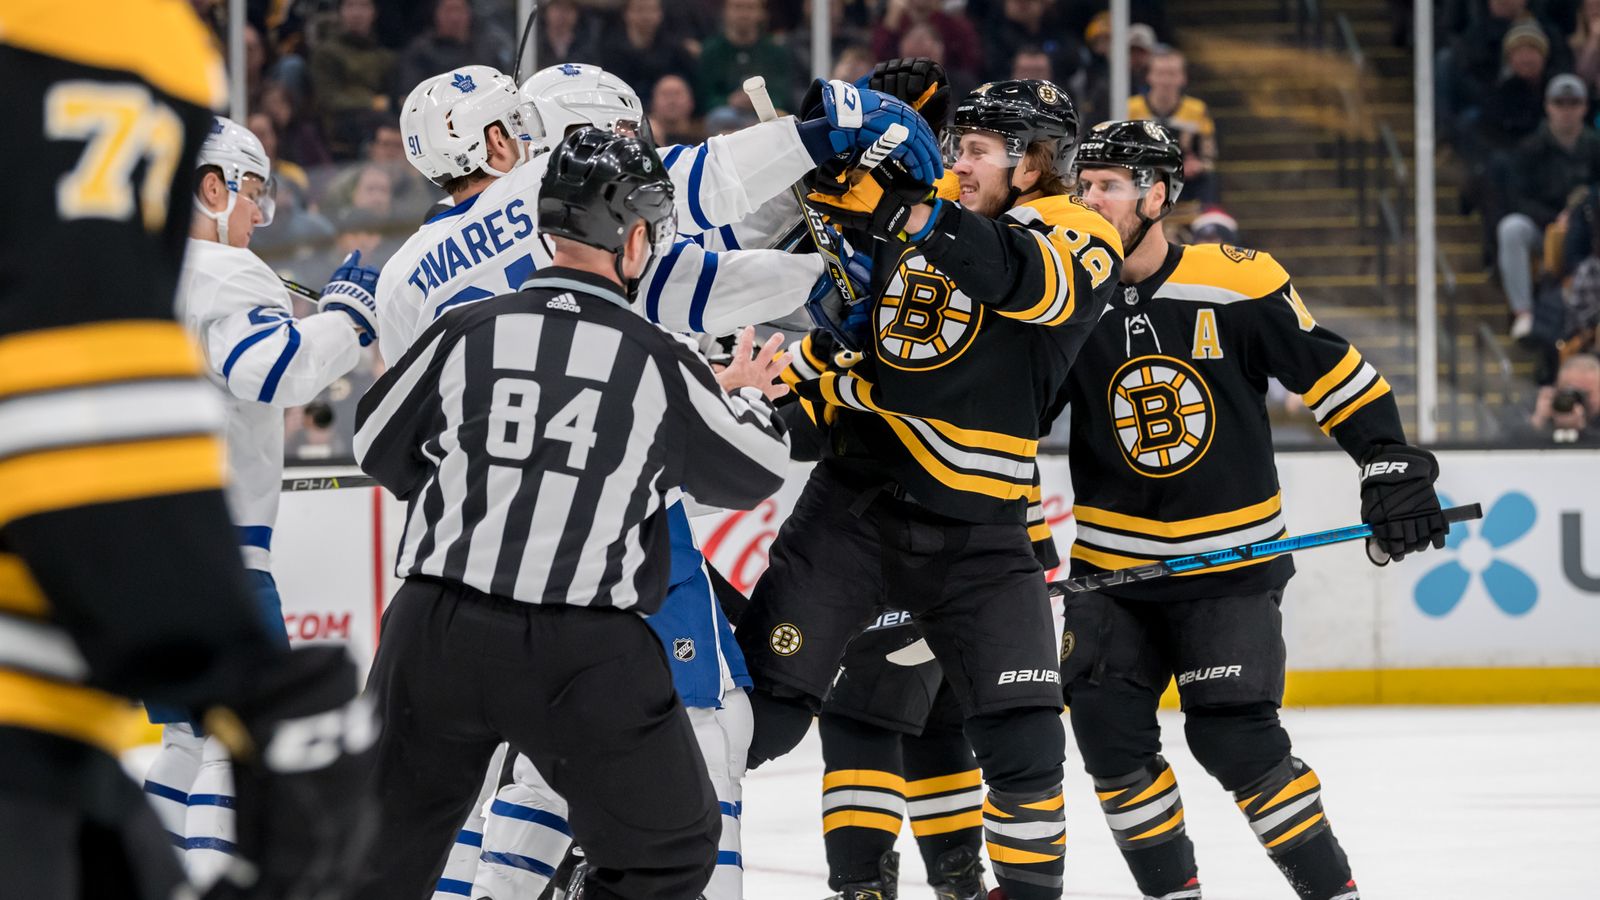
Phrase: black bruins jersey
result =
(974, 330)
(109, 462)
(1171, 450)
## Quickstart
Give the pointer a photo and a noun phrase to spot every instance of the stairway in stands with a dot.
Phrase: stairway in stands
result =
(1281, 106)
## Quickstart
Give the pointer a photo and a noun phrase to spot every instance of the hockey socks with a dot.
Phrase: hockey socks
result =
(171, 776)
(1027, 837)
(1284, 807)
(1145, 813)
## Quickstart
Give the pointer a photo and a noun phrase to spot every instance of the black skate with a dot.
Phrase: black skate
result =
(958, 875)
(885, 887)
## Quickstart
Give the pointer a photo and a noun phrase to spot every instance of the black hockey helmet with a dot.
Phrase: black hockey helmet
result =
(1148, 149)
(1022, 112)
(598, 183)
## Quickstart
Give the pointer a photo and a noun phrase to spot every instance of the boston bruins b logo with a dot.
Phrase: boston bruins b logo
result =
(923, 321)
(1162, 413)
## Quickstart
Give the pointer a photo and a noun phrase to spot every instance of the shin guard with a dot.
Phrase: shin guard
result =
(1285, 811)
(1027, 837)
(1145, 813)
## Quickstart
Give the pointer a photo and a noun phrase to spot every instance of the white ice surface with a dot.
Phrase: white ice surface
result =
(1429, 802)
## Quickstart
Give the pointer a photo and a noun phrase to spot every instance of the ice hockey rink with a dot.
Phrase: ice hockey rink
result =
(1429, 802)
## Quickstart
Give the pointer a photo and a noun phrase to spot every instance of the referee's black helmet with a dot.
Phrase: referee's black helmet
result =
(1022, 112)
(598, 184)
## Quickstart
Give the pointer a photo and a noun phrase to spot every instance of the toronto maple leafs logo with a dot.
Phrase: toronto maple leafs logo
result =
(571, 70)
(463, 83)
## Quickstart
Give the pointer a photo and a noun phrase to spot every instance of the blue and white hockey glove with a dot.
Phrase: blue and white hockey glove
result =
(352, 290)
(851, 120)
(850, 325)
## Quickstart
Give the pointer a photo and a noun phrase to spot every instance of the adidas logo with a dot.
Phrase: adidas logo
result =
(565, 303)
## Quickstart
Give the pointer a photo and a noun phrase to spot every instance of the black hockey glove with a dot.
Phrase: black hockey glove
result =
(918, 81)
(877, 202)
(301, 748)
(1399, 502)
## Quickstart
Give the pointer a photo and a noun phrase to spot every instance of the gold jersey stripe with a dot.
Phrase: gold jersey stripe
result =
(161, 41)
(78, 355)
(83, 714)
(842, 778)
(1334, 377)
(1378, 389)
(1051, 260)
(976, 484)
(939, 785)
(1237, 518)
(1114, 561)
(107, 473)
(968, 438)
(854, 818)
(19, 593)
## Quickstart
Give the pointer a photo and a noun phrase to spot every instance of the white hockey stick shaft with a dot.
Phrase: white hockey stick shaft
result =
(756, 88)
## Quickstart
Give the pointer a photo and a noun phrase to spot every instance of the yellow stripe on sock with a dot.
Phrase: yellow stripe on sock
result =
(1049, 803)
(924, 786)
(1293, 789)
(1163, 828)
(1162, 782)
(1295, 830)
(946, 824)
(839, 778)
(854, 818)
(1012, 856)
(989, 809)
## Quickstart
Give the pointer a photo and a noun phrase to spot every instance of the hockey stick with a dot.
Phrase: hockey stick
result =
(527, 29)
(328, 483)
(296, 287)
(1246, 553)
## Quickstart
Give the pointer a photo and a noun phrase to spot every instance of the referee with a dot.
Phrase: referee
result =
(533, 437)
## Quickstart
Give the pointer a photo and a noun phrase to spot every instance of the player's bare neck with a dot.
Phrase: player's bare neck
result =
(1145, 259)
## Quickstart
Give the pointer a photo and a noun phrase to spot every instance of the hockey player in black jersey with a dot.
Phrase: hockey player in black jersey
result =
(1171, 454)
(921, 500)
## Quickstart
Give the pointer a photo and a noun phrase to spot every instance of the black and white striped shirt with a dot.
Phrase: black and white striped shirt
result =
(534, 436)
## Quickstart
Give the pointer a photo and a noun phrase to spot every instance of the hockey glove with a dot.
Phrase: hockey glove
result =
(850, 325)
(877, 202)
(301, 748)
(1399, 502)
(851, 120)
(917, 80)
(352, 290)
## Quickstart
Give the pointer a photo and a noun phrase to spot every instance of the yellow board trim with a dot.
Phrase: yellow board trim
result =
(1255, 512)
(83, 714)
(80, 355)
(848, 778)
(922, 787)
(1359, 687)
(852, 818)
(19, 593)
(946, 824)
(107, 473)
(161, 41)
(1328, 382)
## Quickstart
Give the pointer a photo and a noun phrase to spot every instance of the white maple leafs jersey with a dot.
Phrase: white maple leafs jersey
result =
(489, 245)
(263, 359)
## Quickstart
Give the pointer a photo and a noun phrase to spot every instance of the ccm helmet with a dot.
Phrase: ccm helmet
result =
(573, 94)
(1147, 149)
(598, 184)
(238, 154)
(1021, 112)
(445, 117)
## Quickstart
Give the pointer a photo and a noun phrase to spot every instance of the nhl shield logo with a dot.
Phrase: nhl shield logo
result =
(786, 640)
(683, 649)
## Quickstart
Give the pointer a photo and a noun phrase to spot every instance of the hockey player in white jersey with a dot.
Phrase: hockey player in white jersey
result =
(262, 359)
(471, 132)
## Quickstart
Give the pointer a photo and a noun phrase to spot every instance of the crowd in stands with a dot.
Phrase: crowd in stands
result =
(326, 78)
(1517, 89)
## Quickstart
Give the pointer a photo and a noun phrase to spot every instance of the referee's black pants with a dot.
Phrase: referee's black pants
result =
(583, 693)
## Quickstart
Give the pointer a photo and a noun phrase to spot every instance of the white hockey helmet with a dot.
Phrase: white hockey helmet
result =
(576, 94)
(444, 119)
(236, 151)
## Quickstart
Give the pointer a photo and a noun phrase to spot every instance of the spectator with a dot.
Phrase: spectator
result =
(566, 34)
(351, 75)
(1572, 404)
(843, 36)
(1214, 226)
(453, 41)
(1031, 62)
(1164, 101)
(1560, 157)
(853, 64)
(963, 52)
(1023, 24)
(296, 222)
(922, 39)
(299, 139)
(1142, 47)
(646, 52)
(385, 148)
(1471, 65)
(743, 48)
(1586, 44)
(256, 61)
(1511, 111)
(1091, 88)
(672, 112)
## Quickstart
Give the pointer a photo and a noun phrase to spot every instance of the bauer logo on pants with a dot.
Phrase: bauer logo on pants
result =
(786, 640)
